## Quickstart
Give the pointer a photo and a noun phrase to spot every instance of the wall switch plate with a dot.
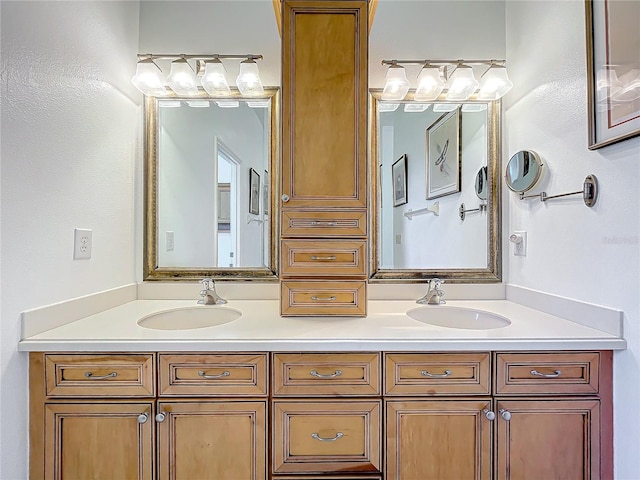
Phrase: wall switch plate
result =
(398, 239)
(170, 241)
(82, 243)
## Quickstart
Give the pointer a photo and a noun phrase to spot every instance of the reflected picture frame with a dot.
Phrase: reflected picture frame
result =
(399, 183)
(443, 143)
(613, 80)
(254, 192)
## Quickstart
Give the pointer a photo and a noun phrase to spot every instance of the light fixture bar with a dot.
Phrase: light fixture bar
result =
(444, 62)
(173, 56)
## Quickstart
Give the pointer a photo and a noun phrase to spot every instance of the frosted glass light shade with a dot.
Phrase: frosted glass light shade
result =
(182, 79)
(148, 79)
(461, 84)
(430, 84)
(494, 84)
(214, 80)
(416, 107)
(248, 80)
(387, 107)
(396, 84)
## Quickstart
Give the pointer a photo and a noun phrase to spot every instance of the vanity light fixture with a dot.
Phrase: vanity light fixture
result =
(461, 83)
(396, 84)
(474, 107)
(258, 103)
(214, 80)
(494, 83)
(198, 103)
(248, 80)
(184, 79)
(430, 84)
(228, 103)
(453, 77)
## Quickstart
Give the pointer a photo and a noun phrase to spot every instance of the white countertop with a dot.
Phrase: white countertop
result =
(261, 328)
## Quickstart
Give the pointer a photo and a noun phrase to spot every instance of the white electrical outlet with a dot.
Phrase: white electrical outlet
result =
(169, 241)
(82, 243)
(519, 240)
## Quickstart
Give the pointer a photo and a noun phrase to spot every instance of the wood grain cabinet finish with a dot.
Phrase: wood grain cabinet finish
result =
(326, 436)
(323, 298)
(548, 439)
(98, 440)
(439, 440)
(326, 374)
(324, 105)
(209, 375)
(96, 375)
(437, 374)
(548, 373)
(324, 156)
(324, 224)
(222, 440)
(322, 258)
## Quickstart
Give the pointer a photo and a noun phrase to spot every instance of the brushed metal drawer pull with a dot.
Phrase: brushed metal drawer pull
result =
(425, 373)
(555, 374)
(322, 439)
(324, 224)
(103, 377)
(331, 375)
(323, 299)
(328, 258)
(204, 375)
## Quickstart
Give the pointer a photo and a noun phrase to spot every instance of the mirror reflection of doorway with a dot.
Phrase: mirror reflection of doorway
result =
(227, 201)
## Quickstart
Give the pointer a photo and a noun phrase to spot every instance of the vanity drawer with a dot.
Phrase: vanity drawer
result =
(437, 373)
(321, 374)
(547, 373)
(309, 258)
(324, 224)
(78, 375)
(213, 375)
(317, 298)
(331, 437)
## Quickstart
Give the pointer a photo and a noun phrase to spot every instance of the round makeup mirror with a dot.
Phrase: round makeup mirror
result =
(481, 183)
(523, 171)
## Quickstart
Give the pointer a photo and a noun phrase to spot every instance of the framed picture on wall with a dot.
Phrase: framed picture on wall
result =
(443, 155)
(613, 71)
(265, 194)
(399, 175)
(254, 192)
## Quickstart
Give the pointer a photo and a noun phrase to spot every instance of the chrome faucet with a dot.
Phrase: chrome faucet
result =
(434, 295)
(209, 294)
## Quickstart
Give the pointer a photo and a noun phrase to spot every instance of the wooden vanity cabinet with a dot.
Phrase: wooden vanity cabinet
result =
(357, 415)
(324, 162)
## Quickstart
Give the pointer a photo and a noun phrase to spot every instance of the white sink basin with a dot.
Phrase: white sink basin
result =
(455, 317)
(189, 318)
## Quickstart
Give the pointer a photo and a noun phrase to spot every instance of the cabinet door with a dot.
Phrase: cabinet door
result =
(99, 441)
(224, 440)
(548, 439)
(324, 104)
(438, 440)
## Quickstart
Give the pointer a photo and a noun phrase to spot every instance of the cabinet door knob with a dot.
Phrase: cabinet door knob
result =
(285, 197)
(160, 417)
(489, 414)
(143, 417)
(506, 414)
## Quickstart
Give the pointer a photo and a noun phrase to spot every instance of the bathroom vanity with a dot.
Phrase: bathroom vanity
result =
(269, 397)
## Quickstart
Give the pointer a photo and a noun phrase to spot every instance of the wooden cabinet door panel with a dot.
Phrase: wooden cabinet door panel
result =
(438, 440)
(224, 440)
(98, 441)
(324, 104)
(549, 439)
